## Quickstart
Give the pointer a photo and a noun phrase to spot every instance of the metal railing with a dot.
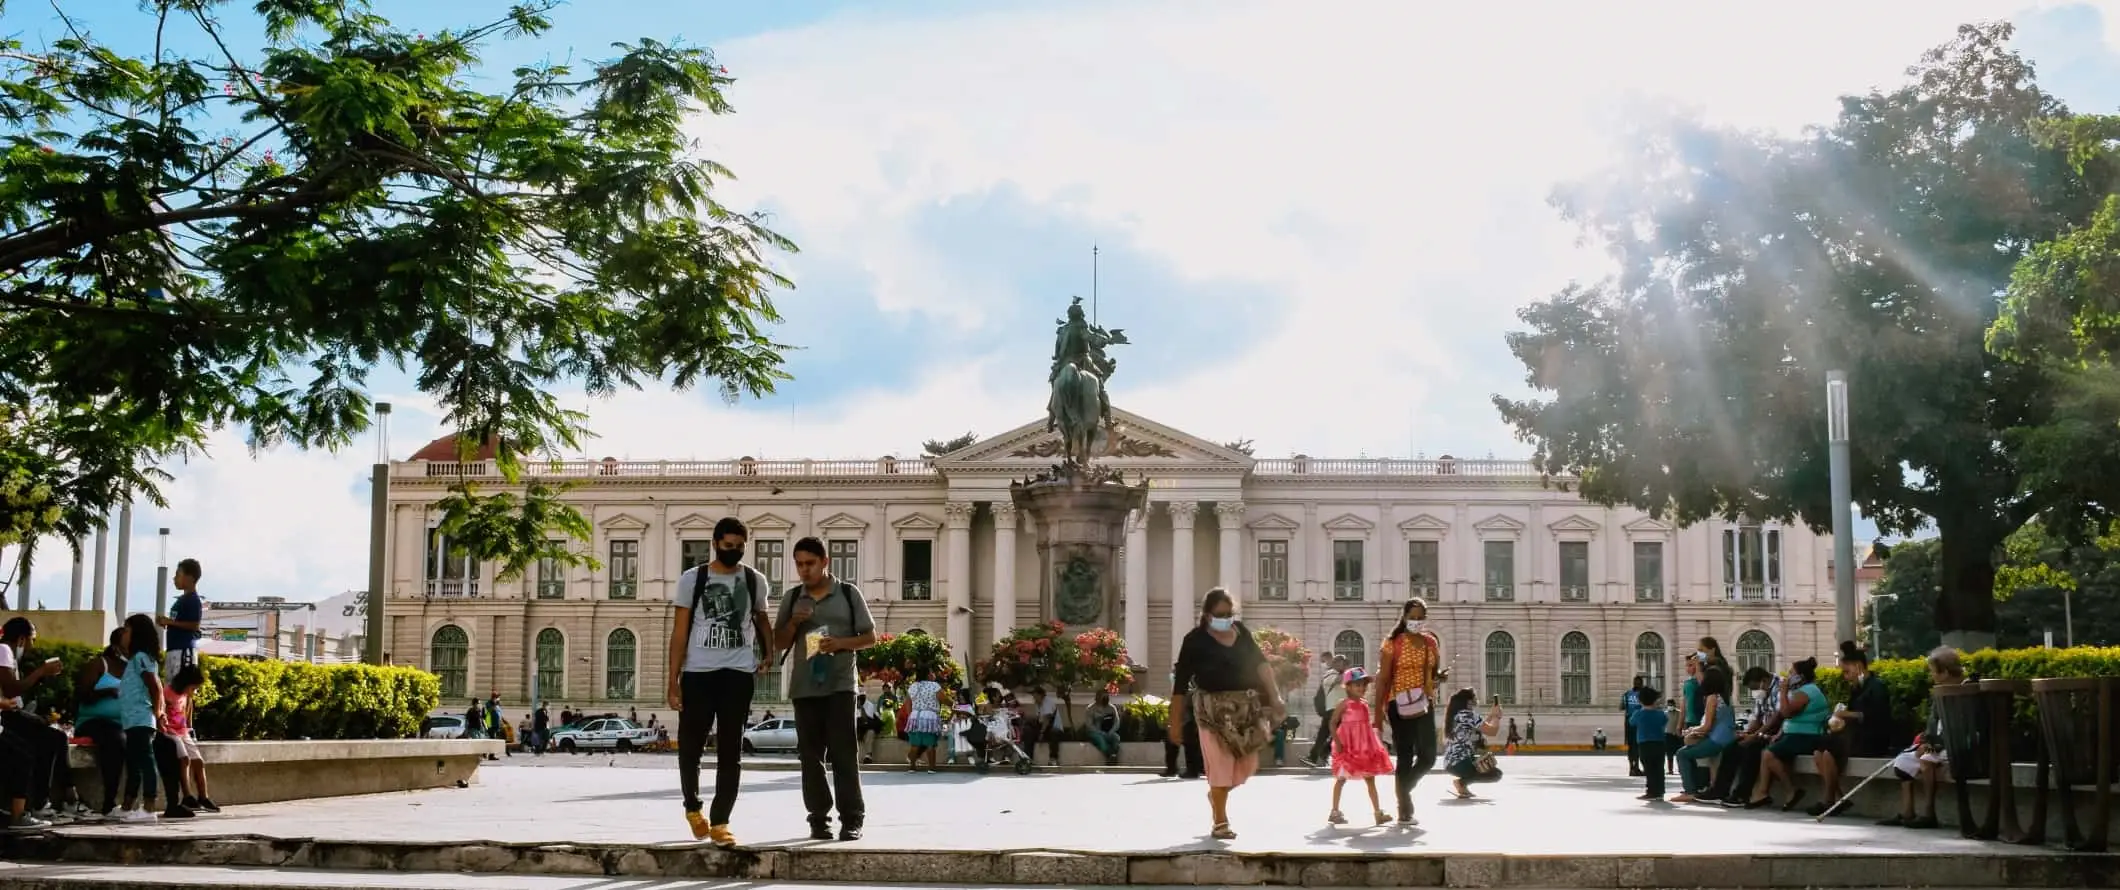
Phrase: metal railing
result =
(551, 590)
(590, 469)
(1648, 593)
(625, 590)
(1424, 591)
(1273, 592)
(1388, 466)
(919, 590)
(1575, 593)
(1501, 593)
(1347, 591)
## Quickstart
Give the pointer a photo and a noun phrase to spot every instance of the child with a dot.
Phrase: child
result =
(1647, 728)
(1357, 753)
(177, 701)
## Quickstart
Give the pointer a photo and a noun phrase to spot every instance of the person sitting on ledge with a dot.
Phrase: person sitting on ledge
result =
(1923, 763)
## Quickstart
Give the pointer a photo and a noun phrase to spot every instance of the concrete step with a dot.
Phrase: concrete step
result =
(878, 867)
(171, 877)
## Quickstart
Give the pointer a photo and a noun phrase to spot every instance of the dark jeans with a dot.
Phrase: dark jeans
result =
(1032, 730)
(1413, 740)
(14, 770)
(824, 730)
(49, 776)
(1634, 763)
(1321, 747)
(148, 755)
(1195, 762)
(712, 699)
(1652, 758)
(1740, 771)
(109, 749)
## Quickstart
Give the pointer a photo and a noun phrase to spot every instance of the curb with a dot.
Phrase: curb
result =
(1062, 868)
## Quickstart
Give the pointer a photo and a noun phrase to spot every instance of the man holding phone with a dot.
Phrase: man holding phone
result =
(48, 790)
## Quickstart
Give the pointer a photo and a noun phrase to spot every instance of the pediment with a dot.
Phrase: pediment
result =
(1648, 525)
(769, 522)
(917, 522)
(1348, 522)
(1573, 524)
(1275, 522)
(1499, 524)
(842, 522)
(1140, 441)
(695, 522)
(622, 522)
(1426, 522)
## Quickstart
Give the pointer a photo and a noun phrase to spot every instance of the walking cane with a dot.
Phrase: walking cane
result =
(1851, 793)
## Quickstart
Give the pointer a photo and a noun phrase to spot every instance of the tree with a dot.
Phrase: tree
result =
(1692, 383)
(1241, 446)
(238, 240)
(2030, 583)
(940, 447)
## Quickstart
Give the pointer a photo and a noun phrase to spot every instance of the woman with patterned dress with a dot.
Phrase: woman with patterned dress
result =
(1231, 695)
(1465, 756)
(923, 725)
(1357, 751)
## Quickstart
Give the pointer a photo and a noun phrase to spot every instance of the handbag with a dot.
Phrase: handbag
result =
(1485, 764)
(1411, 703)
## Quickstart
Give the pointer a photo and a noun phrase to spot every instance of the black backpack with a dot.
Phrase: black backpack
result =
(699, 592)
(1319, 702)
(839, 587)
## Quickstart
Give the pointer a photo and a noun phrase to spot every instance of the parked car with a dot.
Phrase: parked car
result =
(443, 726)
(776, 734)
(603, 732)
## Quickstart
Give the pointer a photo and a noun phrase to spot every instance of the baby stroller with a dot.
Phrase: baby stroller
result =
(1000, 741)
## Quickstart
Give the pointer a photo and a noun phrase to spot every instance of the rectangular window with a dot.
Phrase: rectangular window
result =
(449, 574)
(694, 553)
(770, 557)
(1424, 566)
(845, 555)
(918, 559)
(1751, 564)
(551, 579)
(1273, 570)
(1347, 570)
(1500, 559)
(1648, 571)
(1575, 571)
(625, 570)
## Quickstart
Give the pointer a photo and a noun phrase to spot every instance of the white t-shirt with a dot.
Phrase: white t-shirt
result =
(723, 637)
(8, 660)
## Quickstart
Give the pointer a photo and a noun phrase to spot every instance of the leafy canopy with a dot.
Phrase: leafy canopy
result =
(1692, 383)
(237, 240)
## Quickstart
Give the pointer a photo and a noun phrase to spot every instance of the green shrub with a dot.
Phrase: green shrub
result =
(56, 695)
(295, 700)
(1907, 679)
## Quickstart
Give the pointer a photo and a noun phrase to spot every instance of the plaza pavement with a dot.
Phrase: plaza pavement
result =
(1547, 824)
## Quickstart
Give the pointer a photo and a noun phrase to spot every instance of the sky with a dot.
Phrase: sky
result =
(1315, 221)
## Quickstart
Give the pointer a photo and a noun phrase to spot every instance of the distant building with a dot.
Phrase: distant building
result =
(328, 632)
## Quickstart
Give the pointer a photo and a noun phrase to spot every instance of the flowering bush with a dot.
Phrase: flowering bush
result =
(1285, 654)
(897, 658)
(1036, 655)
(1100, 661)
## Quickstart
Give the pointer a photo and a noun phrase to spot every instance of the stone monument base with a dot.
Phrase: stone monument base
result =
(1081, 525)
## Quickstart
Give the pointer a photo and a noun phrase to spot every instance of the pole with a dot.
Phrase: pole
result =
(1093, 284)
(162, 573)
(378, 533)
(2068, 617)
(124, 557)
(95, 576)
(1843, 504)
(73, 597)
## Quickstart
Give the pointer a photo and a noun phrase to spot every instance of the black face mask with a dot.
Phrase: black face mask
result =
(728, 557)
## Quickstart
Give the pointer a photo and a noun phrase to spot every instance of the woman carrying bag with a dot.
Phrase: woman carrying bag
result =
(1410, 672)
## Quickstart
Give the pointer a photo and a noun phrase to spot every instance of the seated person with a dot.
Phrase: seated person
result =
(1924, 762)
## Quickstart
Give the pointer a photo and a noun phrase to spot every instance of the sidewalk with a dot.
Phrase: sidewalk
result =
(1543, 826)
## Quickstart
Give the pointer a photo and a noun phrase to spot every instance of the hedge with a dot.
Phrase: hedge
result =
(1907, 680)
(247, 700)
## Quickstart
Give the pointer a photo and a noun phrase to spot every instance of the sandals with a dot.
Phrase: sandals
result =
(1383, 817)
(1221, 832)
(1795, 797)
(1334, 818)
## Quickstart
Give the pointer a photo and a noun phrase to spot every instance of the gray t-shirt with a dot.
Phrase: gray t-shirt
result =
(723, 637)
(841, 613)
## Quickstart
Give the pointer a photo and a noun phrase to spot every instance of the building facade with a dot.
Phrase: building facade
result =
(1547, 601)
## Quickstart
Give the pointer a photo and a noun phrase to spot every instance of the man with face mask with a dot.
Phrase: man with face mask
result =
(720, 640)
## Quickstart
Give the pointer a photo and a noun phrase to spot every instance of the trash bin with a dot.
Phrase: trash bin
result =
(1966, 732)
(2001, 706)
(2080, 725)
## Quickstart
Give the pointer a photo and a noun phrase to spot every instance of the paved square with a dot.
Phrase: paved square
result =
(1547, 805)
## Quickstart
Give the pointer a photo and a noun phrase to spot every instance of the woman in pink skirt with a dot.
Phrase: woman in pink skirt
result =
(1357, 752)
(1223, 679)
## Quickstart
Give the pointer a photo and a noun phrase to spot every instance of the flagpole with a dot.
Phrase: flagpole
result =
(1093, 284)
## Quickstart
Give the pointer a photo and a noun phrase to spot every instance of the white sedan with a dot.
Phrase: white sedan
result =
(603, 732)
(776, 734)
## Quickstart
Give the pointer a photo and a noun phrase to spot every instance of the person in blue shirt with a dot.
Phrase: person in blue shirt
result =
(182, 622)
(1629, 704)
(1646, 727)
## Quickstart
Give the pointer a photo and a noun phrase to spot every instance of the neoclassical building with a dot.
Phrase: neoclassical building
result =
(1545, 600)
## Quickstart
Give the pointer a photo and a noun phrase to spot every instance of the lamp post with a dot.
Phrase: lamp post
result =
(378, 533)
(1877, 627)
(1843, 504)
(162, 572)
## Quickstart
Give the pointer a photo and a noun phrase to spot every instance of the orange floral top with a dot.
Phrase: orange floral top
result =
(1412, 665)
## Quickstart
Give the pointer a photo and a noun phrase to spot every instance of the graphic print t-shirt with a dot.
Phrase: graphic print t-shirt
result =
(722, 635)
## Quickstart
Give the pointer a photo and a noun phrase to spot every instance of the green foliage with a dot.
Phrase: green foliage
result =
(1692, 384)
(1908, 679)
(897, 659)
(56, 695)
(2037, 571)
(940, 447)
(236, 239)
(245, 700)
(1144, 721)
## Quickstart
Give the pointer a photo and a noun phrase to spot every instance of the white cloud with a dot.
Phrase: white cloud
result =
(1414, 143)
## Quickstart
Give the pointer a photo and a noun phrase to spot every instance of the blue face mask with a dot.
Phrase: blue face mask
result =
(1220, 625)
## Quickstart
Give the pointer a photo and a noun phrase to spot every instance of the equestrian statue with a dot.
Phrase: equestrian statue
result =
(1079, 407)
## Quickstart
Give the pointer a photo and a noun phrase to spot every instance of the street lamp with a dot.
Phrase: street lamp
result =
(378, 533)
(162, 573)
(1843, 504)
(1877, 628)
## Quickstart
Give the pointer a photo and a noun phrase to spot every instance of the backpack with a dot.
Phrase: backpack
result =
(1320, 703)
(839, 587)
(699, 592)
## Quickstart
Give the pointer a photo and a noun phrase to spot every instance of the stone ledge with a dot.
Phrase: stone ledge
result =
(267, 772)
(1061, 868)
(304, 750)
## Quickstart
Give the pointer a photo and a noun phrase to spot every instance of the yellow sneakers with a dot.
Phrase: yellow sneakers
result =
(721, 836)
(698, 822)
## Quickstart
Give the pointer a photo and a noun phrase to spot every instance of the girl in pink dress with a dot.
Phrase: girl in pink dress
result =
(1357, 753)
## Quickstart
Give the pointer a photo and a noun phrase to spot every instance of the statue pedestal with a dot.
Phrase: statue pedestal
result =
(1081, 525)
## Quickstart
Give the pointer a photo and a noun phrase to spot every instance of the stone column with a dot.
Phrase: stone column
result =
(1182, 603)
(1137, 589)
(95, 576)
(1004, 568)
(1229, 516)
(73, 599)
(957, 517)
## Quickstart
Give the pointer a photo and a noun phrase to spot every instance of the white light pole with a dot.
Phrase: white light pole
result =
(162, 573)
(1843, 504)
(378, 534)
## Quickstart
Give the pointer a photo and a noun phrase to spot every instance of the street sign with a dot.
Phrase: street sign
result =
(257, 607)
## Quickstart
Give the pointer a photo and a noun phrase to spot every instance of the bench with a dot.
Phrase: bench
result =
(1881, 798)
(264, 772)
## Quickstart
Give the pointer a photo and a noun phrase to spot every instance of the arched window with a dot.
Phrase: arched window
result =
(449, 657)
(1575, 669)
(1754, 649)
(618, 664)
(1350, 644)
(551, 664)
(1501, 666)
(1649, 659)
